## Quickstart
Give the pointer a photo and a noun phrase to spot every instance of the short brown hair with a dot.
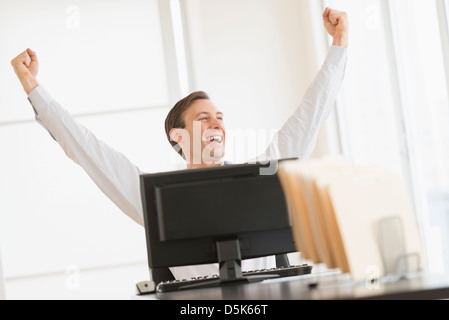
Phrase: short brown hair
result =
(175, 118)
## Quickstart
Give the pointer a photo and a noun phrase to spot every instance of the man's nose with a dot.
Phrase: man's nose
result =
(216, 124)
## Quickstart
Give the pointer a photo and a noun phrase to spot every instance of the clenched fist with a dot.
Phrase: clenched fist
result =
(26, 67)
(336, 24)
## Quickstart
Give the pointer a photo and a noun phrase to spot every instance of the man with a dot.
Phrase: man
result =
(195, 129)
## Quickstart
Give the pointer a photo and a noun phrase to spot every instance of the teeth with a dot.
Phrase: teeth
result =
(215, 138)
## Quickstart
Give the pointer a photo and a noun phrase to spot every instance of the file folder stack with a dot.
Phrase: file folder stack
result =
(335, 209)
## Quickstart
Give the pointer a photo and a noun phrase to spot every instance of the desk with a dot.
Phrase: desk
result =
(325, 286)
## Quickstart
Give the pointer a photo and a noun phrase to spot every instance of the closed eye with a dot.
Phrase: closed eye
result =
(207, 118)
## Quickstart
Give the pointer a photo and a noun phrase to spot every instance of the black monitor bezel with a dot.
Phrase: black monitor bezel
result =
(203, 250)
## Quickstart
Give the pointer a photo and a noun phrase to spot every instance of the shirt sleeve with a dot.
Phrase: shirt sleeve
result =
(297, 137)
(111, 171)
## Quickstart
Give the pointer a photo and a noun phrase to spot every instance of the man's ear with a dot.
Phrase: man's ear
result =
(175, 135)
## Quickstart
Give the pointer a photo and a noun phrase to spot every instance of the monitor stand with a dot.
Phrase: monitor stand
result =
(230, 263)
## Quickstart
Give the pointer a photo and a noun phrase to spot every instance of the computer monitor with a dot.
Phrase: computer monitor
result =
(214, 215)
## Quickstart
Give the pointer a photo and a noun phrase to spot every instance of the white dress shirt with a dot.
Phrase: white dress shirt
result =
(118, 178)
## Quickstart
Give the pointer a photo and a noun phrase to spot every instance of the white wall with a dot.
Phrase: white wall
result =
(255, 58)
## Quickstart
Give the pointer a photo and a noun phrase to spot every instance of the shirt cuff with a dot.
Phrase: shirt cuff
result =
(39, 98)
(336, 55)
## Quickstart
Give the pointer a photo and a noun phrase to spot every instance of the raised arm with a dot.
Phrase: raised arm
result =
(112, 172)
(297, 137)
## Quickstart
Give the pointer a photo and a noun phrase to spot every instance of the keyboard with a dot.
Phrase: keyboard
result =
(247, 276)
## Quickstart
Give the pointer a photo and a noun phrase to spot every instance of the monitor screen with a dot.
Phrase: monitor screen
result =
(187, 212)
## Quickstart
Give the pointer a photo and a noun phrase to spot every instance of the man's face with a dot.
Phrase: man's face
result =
(206, 132)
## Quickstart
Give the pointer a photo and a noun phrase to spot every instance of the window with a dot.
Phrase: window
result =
(106, 63)
(395, 107)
